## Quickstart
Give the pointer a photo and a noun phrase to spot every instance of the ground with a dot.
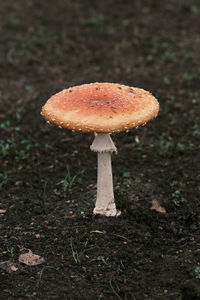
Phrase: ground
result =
(48, 175)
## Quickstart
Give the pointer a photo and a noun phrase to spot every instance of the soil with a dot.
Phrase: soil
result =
(48, 175)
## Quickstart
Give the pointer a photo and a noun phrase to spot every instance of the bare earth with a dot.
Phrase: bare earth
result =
(48, 175)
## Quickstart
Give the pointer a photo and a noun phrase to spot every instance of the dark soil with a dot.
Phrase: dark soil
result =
(48, 175)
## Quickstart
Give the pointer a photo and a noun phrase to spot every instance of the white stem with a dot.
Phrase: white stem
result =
(105, 203)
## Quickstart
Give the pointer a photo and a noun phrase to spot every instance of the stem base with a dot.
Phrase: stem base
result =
(108, 212)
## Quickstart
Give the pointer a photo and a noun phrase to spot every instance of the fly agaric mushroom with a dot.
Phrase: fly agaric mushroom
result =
(102, 108)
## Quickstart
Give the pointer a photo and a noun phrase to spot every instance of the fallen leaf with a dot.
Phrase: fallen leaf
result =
(3, 211)
(31, 259)
(8, 266)
(157, 207)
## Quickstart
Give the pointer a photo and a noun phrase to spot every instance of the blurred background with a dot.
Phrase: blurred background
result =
(48, 175)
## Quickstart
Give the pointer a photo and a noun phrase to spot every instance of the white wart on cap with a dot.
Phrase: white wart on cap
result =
(101, 107)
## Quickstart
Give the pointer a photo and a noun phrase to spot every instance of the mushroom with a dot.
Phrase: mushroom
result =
(102, 108)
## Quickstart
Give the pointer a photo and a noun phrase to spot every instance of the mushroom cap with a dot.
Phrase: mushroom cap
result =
(100, 107)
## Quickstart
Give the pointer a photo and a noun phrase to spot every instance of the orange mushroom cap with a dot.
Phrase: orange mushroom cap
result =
(100, 107)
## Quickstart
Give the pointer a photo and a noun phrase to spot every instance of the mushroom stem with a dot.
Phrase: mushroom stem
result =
(105, 202)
